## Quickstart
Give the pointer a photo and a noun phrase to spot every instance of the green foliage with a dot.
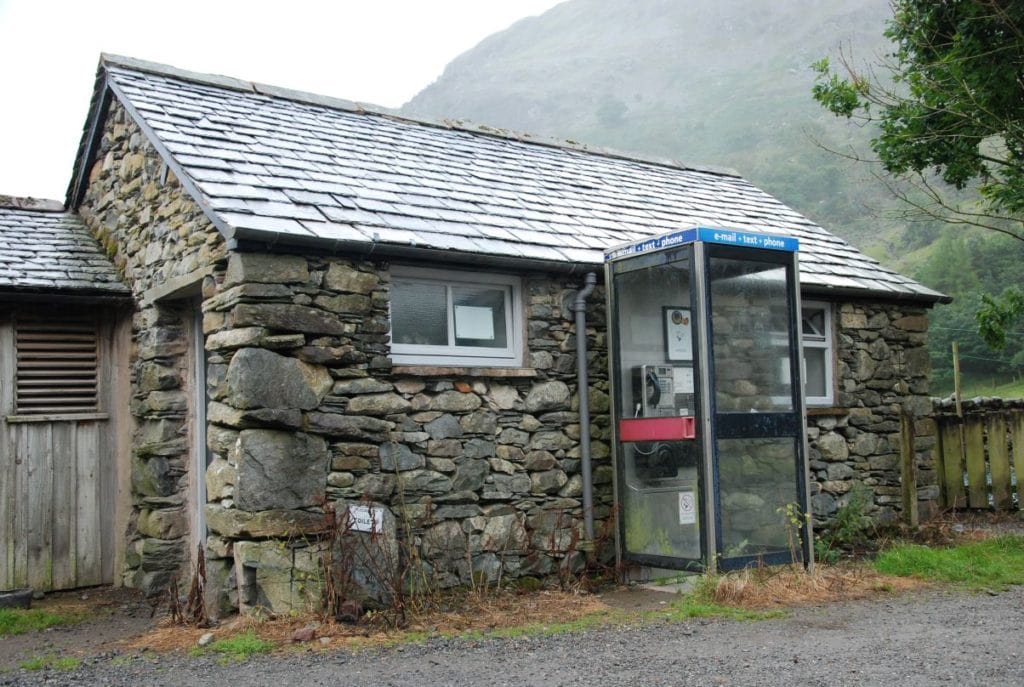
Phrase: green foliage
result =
(50, 662)
(849, 528)
(996, 314)
(948, 100)
(15, 621)
(839, 96)
(991, 564)
(240, 647)
(965, 264)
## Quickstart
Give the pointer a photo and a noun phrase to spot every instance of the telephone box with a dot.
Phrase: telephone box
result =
(708, 413)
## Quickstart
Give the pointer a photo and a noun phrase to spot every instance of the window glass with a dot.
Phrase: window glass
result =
(814, 384)
(750, 336)
(419, 313)
(814, 324)
(816, 321)
(479, 317)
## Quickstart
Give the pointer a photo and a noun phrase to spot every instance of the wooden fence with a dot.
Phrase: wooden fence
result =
(980, 459)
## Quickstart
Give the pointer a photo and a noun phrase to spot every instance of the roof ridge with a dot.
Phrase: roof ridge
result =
(454, 124)
(29, 203)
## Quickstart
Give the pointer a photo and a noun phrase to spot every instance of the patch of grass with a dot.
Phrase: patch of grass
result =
(993, 563)
(693, 606)
(586, 622)
(684, 607)
(238, 648)
(50, 662)
(16, 621)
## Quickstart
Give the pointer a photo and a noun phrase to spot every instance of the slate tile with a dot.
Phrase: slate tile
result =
(335, 232)
(284, 209)
(326, 187)
(212, 189)
(310, 197)
(394, 235)
(282, 225)
(351, 216)
(229, 204)
(204, 161)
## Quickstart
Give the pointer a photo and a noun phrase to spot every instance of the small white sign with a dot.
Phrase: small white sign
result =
(682, 378)
(678, 336)
(474, 322)
(687, 508)
(365, 519)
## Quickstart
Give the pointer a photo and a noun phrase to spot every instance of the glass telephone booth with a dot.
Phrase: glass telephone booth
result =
(708, 420)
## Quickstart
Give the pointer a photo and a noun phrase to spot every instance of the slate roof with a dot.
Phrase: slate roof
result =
(48, 251)
(279, 166)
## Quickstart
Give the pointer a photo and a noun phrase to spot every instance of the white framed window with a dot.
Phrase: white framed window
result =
(818, 353)
(449, 317)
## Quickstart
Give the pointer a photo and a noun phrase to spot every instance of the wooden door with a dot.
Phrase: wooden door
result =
(58, 476)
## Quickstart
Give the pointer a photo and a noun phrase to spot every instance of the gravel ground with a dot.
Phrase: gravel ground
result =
(923, 638)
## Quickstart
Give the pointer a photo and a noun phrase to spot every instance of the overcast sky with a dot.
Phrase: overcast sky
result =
(374, 51)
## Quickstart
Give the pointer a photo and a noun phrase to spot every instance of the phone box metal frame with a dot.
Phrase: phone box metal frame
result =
(714, 477)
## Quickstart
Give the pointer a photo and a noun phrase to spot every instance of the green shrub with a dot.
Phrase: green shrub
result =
(849, 528)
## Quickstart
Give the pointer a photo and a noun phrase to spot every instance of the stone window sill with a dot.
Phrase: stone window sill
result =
(445, 371)
(827, 411)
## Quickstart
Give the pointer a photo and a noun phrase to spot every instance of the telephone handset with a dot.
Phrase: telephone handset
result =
(652, 388)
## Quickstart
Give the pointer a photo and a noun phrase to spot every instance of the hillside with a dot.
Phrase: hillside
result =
(708, 82)
(727, 83)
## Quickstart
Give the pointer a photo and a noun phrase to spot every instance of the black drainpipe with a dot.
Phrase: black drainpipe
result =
(579, 307)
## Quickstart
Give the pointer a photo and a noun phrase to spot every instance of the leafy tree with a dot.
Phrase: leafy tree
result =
(950, 101)
(948, 104)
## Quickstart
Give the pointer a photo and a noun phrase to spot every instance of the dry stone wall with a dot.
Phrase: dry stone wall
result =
(475, 471)
(882, 370)
(153, 232)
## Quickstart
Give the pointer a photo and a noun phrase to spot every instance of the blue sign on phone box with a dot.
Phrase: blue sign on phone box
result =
(729, 237)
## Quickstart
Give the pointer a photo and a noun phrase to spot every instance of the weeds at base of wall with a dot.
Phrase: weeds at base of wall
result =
(767, 587)
(850, 529)
(190, 609)
(410, 585)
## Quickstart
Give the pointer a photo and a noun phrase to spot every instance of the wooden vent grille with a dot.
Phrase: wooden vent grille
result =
(56, 366)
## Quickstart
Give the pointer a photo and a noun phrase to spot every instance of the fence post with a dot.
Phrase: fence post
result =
(952, 439)
(1017, 420)
(999, 461)
(908, 469)
(974, 445)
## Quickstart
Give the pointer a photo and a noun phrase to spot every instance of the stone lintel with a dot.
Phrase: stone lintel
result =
(177, 287)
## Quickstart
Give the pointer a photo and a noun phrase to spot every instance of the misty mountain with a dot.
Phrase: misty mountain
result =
(706, 82)
(728, 83)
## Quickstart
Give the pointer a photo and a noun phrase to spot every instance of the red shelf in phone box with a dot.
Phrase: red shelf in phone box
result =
(672, 428)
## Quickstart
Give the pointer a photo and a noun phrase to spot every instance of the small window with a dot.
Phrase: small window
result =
(56, 365)
(816, 322)
(443, 317)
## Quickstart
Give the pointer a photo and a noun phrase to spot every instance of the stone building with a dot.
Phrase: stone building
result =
(339, 310)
